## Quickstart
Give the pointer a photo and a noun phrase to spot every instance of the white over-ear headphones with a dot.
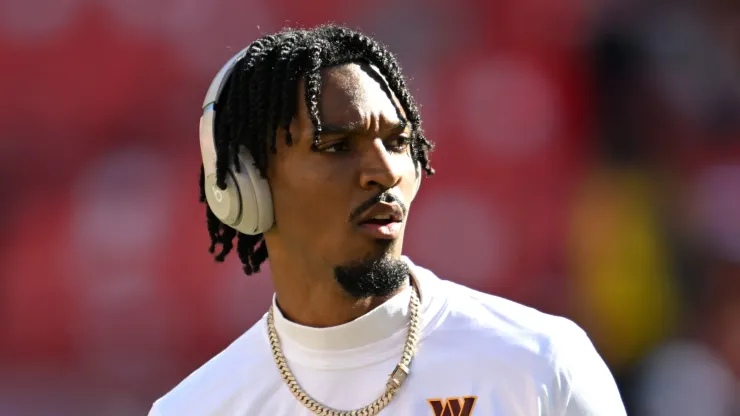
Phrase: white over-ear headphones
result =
(246, 203)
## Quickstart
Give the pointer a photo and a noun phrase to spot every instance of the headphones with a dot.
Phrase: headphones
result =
(246, 203)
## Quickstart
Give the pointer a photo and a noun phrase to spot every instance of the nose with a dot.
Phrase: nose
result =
(378, 168)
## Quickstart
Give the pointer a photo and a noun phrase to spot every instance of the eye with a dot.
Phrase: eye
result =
(337, 146)
(398, 144)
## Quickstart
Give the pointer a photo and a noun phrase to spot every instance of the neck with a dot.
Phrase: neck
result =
(316, 299)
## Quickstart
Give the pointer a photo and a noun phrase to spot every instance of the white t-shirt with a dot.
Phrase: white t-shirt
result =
(501, 357)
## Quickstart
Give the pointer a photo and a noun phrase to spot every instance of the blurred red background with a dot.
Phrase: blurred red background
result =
(587, 154)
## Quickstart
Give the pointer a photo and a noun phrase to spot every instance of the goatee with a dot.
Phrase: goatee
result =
(378, 277)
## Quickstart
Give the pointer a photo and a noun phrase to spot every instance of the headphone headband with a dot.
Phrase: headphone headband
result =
(217, 85)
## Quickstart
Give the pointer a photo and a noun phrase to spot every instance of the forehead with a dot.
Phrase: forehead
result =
(354, 92)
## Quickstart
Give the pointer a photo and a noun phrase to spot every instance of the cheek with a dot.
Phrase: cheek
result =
(409, 187)
(312, 204)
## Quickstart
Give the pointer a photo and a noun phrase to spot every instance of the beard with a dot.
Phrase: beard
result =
(372, 277)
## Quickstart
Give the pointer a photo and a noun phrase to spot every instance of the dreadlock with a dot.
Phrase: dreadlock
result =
(259, 98)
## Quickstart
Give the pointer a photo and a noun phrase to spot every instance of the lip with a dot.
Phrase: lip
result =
(382, 231)
(382, 208)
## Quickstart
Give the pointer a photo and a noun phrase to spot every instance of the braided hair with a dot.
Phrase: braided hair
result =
(259, 98)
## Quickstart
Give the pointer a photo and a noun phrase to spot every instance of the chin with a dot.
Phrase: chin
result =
(372, 276)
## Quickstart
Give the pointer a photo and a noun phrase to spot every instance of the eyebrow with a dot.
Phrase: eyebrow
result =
(355, 128)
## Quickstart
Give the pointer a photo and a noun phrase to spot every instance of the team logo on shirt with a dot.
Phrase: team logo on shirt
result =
(453, 406)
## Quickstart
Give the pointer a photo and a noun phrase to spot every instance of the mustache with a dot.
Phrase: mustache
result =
(385, 196)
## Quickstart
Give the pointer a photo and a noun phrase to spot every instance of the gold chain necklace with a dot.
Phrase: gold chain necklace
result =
(397, 377)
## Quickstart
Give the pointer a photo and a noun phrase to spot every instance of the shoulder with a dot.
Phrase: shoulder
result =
(507, 323)
(223, 384)
(497, 324)
(523, 342)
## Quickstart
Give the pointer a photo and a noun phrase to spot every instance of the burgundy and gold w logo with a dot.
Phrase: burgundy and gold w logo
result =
(453, 406)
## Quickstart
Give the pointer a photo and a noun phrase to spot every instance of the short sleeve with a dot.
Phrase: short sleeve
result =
(154, 411)
(582, 383)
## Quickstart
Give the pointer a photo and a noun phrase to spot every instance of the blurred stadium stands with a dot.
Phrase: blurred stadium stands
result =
(588, 152)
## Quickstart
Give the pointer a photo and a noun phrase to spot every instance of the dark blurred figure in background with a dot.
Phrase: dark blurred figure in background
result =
(668, 188)
(699, 372)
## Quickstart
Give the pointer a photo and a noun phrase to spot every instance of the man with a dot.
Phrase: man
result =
(313, 152)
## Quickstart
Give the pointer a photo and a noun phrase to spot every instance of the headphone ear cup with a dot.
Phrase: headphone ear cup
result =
(224, 203)
(257, 214)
